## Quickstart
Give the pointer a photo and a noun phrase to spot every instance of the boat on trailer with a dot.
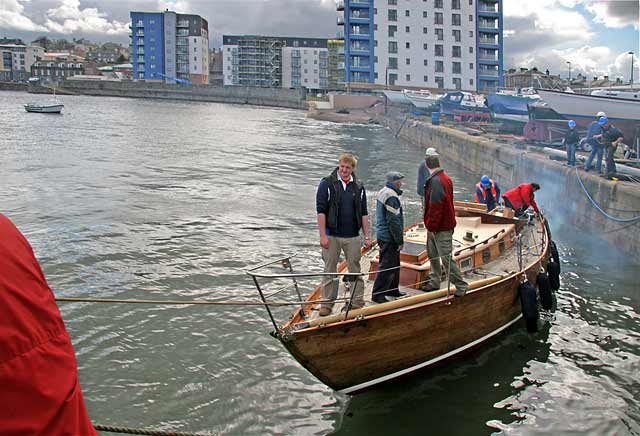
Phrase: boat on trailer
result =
(353, 350)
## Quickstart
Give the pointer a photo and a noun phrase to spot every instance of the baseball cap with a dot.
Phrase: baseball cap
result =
(485, 180)
(601, 114)
(431, 152)
(603, 120)
(571, 123)
(394, 176)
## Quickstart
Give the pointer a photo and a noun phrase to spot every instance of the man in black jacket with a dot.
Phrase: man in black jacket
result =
(341, 204)
(570, 140)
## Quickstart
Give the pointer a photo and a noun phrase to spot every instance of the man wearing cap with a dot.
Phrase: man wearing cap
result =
(440, 220)
(611, 138)
(487, 192)
(341, 204)
(570, 140)
(594, 134)
(389, 233)
(423, 173)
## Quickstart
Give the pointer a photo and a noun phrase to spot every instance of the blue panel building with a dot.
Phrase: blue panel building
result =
(147, 45)
(489, 27)
(359, 42)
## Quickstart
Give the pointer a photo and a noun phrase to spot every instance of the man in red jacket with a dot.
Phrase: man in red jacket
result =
(39, 389)
(440, 220)
(521, 197)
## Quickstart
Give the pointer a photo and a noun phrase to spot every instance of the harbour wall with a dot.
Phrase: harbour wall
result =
(11, 86)
(561, 194)
(277, 97)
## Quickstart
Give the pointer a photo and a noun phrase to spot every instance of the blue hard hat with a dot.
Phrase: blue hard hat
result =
(603, 120)
(485, 180)
(571, 123)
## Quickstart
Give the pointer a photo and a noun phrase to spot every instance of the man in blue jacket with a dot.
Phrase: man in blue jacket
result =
(594, 135)
(389, 230)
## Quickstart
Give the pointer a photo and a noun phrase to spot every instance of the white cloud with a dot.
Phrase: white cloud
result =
(70, 18)
(179, 6)
(12, 17)
(615, 14)
(621, 67)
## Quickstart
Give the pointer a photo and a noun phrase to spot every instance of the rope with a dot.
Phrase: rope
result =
(129, 430)
(611, 217)
(173, 302)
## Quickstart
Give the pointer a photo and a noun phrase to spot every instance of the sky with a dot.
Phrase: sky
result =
(595, 36)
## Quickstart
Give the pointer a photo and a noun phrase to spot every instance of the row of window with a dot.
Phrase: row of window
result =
(456, 50)
(456, 67)
(456, 81)
(438, 18)
(438, 4)
(439, 32)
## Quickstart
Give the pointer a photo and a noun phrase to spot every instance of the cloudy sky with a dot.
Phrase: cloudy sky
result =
(594, 35)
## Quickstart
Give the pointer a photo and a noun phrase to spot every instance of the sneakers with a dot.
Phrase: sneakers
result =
(460, 292)
(428, 287)
(379, 300)
(324, 311)
(397, 294)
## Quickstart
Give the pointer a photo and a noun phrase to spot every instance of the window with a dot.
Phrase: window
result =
(471, 82)
(439, 34)
(375, 75)
(408, 77)
(439, 49)
(426, 79)
(426, 62)
(393, 63)
(470, 33)
(439, 67)
(375, 27)
(392, 31)
(457, 35)
(470, 2)
(457, 68)
(424, 14)
(470, 17)
(455, 4)
(375, 59)
(407, 13)
(393, 2)
(393, 15)
(471, 65)
(457, 83)
(393, 47)
(456, 51)
(375, 42)
(393, 78)
(440, 82)
(407, 45)
(408, 61)
(437, 4)
(375, 11)
(425, 46)
(425, 30)
(455, 19)
(407, 29)
(470, 49)
(438, 18)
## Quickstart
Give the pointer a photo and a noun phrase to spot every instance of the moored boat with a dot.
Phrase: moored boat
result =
(397, 97)
(352, 350)
(44, 108)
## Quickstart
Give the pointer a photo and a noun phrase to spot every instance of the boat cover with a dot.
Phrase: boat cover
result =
(39, 388)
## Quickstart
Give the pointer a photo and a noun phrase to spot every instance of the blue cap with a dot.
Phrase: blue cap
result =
(571, 123)
(603, 120)
(485, 180)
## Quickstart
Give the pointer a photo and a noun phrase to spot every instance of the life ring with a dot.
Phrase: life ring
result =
(529, 304)
(553, 269)
(544, 288)
(553, 251)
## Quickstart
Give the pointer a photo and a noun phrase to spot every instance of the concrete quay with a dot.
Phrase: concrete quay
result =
(561, 194)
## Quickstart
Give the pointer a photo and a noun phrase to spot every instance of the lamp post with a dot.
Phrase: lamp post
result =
(569, 63)
(631, 53)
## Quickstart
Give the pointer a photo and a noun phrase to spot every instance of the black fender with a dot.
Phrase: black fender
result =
(553, 252)
(553, 269)
(544, 289)
(529, 303)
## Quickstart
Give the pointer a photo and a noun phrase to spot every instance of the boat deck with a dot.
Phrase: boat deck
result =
(507, 262)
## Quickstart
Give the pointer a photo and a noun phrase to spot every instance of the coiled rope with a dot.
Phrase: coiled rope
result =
(130, 430)
(599, 209)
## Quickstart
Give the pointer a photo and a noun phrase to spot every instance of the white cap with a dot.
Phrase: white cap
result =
(601, 114)
(431, 152)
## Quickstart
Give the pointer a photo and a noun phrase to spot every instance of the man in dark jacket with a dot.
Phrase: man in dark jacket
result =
(594, 135)
(390, 233)
(341, 204)
(487, 192)
(571, 139)
(611, 138)
(440, 220)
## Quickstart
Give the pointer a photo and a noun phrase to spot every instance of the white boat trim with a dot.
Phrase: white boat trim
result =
(428, 362)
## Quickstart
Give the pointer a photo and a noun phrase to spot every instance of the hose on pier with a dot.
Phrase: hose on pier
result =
(599, 209)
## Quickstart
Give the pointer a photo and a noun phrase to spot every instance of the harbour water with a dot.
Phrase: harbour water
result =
(148, 199)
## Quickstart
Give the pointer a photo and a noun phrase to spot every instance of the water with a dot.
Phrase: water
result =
(129, 199)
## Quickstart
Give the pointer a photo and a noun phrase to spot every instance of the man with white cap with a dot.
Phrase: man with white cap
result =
(423, 173)
(389, 233)
(594, 134)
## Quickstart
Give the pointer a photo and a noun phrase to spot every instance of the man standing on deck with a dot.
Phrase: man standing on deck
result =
(341, 204)
(594, 134)
(389, 233)
(521, 197)
(440, 220)
(611, 138)
(487, 192)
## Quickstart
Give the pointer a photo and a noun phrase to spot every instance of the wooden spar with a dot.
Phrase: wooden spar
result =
(397, 304)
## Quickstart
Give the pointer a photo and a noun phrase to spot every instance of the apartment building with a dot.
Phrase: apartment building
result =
(16, 61)
(282, 62)
(169, 46)
(449, 44)
(54, 67)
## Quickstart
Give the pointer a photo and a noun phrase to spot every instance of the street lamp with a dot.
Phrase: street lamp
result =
(631, 53)
(569, 63)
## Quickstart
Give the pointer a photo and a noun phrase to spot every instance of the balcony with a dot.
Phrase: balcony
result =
(140, 33)
(488, 57)
(490, 73)
(140, 51)
(340, 5)
(182, 24)
(140, 23)
(340, 21)
(483, 7)
(488, 24)
(340, 66)
(490, 41)
(140, 42)
(340, 35)
(362, 3)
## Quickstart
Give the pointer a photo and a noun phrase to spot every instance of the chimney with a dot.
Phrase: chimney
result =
(606, 77)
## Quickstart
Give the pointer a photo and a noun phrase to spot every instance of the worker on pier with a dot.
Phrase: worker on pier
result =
(594, 135)
(571, 139)
(488, 192)
(611, 138)
(521, 198)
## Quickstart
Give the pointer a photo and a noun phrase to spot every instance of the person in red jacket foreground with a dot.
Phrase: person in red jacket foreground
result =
(521, 197)
(440, 220)
(39, 389)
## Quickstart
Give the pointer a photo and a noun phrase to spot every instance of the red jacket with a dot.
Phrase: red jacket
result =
(522, 195)
(439, 213)
(39, 389)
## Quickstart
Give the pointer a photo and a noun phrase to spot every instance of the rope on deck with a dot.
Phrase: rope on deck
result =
(130, 430)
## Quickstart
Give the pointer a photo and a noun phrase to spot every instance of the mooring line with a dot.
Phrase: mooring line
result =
(130, 430)
(174, 302)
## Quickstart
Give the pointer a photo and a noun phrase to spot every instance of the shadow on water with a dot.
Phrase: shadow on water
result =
(456, 398)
